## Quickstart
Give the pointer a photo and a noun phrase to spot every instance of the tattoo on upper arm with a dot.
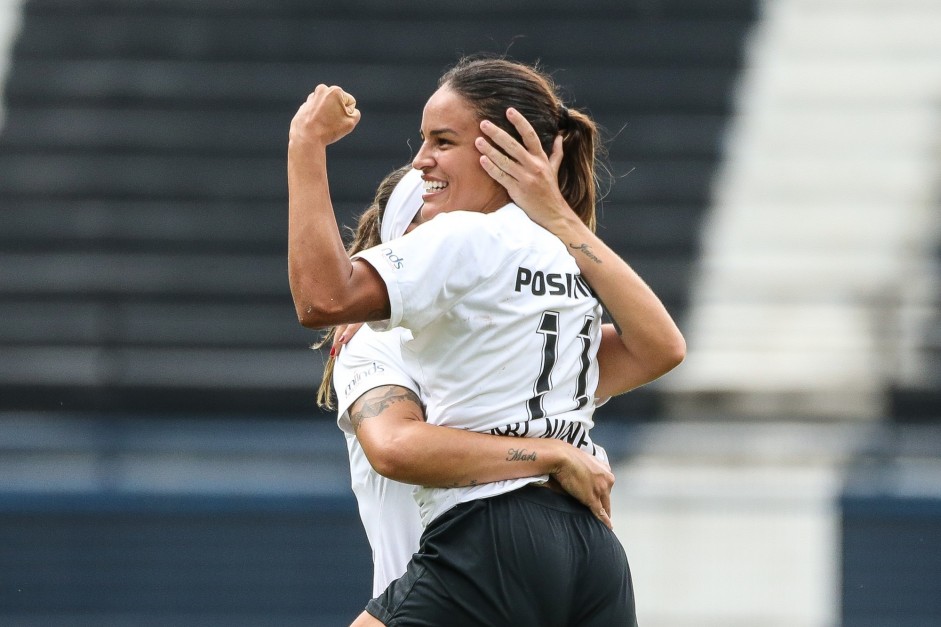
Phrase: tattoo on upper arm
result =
(586, 250)
(378, 400)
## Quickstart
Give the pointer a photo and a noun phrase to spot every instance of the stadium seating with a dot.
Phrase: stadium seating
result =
(143, 270)
(142, 241)
(817, 291)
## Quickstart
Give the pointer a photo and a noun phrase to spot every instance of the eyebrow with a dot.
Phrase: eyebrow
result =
(439, 132)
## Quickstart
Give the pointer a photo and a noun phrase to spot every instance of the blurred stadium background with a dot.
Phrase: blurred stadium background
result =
(776, 181)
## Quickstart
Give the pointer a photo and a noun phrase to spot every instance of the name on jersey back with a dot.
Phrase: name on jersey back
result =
(540, 283)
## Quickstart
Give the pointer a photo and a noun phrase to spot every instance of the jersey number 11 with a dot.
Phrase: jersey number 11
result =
(549, 328)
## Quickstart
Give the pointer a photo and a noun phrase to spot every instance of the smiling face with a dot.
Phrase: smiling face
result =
(449, 161)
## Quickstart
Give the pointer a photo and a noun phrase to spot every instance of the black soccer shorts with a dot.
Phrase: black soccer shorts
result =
(529, 558)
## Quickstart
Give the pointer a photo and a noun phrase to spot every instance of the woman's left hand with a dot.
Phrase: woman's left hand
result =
(342, 336)
(529, 175)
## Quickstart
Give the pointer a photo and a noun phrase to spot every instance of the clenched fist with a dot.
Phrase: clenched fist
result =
(328, 114)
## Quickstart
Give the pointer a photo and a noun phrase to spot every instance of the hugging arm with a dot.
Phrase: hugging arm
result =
(644, 343)
(326, 286)
(399, 444)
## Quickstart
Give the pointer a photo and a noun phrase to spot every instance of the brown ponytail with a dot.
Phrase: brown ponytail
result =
(578, 174)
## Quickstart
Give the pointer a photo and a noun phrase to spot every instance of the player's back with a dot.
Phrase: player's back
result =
(506, 331)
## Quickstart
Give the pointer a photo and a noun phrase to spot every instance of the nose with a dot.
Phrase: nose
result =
(423, 158)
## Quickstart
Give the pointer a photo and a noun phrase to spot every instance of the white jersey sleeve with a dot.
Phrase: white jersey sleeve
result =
(435, 266)
(368, 361)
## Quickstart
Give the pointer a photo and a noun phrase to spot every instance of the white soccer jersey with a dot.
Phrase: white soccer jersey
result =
(387, 508)
(506, 332)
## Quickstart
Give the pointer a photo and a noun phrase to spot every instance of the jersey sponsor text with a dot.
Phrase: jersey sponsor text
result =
(361, 374)
(394, 260)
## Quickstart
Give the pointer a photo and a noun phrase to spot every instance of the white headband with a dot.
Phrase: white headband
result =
(403, 204)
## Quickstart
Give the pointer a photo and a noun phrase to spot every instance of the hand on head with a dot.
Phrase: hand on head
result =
(328, 114)
(528, 174)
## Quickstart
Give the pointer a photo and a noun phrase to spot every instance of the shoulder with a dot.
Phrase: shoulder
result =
(446, 224)
(368, 361)
(368, 345)
(453, 220)
(508, 227)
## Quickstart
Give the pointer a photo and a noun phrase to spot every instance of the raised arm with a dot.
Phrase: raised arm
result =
(327, 287)
(389, 424)
(644, 343)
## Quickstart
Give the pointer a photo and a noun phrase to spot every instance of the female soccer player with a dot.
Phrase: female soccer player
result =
(427, 455)
(505, 333)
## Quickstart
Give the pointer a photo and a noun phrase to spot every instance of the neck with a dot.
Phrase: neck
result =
(497, 201)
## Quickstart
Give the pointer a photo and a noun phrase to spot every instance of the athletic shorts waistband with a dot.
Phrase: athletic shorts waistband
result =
(546, 495)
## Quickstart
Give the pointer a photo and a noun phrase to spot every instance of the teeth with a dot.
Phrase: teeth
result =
(434, 186)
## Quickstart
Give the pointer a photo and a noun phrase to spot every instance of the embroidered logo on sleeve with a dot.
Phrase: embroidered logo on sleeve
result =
(359, 376)
(394, 260)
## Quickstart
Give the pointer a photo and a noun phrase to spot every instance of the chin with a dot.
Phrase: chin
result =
(428, 212)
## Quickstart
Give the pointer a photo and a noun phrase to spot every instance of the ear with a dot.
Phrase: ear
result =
(555, 159)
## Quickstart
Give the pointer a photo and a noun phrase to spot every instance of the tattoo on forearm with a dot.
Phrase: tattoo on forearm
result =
(586, 250)
(520, 455)
(470, 483)
(377, 400)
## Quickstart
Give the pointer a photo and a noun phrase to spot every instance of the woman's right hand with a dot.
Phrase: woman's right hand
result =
(587, 479)
(328, 114)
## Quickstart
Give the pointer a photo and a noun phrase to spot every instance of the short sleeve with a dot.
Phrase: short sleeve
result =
(432, 268)
(368, 361)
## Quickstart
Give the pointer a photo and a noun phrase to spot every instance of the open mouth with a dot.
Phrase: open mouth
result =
(433, 187)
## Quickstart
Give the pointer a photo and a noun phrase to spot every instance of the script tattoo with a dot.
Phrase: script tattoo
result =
(520, 455)
(377, 400)
(586, 250)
